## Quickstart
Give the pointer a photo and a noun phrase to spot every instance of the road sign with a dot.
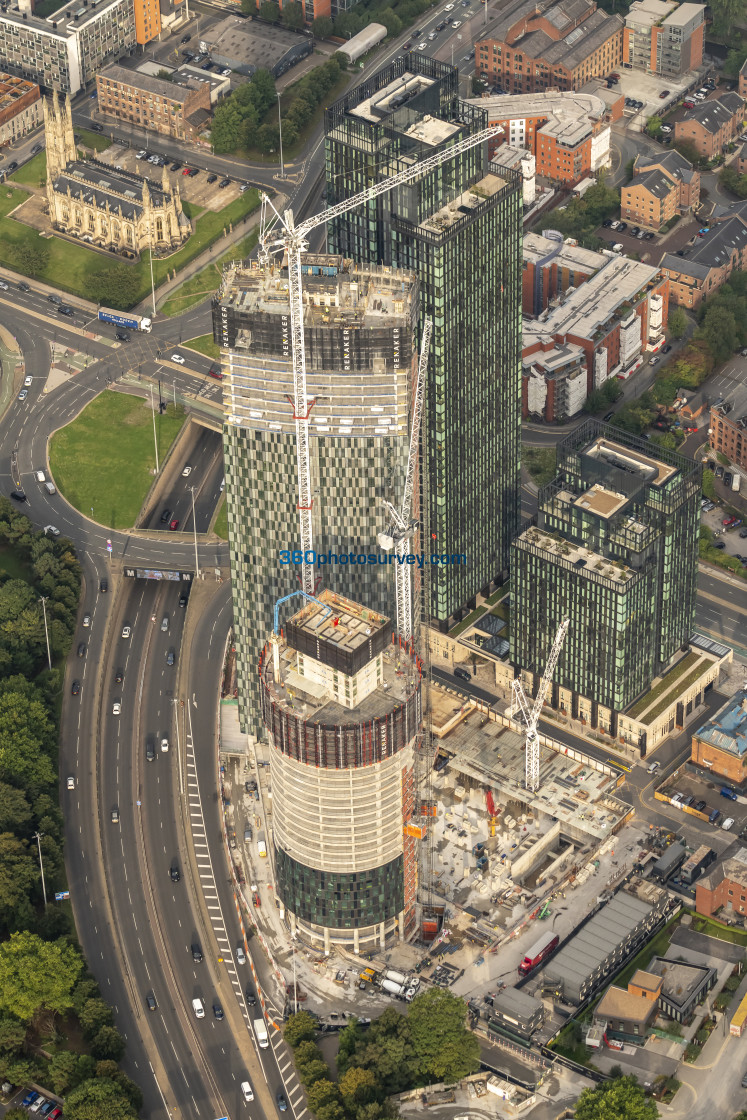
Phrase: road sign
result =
(60, 896)
(108, 546)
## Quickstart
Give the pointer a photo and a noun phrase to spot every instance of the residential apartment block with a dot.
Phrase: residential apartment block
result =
(568, 133)
(536, 45)
(724, 887)
(729, 426)
(459, 227)
(664, 38)
(20, 108)
(711, 125)
(552, 266)
(709, 263)
(615, 550)
(662, 186)
(589, 333)
(168, 108)
(65, 53)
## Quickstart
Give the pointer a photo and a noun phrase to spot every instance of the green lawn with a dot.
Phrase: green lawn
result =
(192, 210)
(221, 522)
(33, 173)
(69, 264)
(98, 141)
(203, 345)
(104, 458)
(207, 280)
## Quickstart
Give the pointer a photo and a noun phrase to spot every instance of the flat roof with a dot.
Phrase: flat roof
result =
(645, 13)
(680, 980)
(68, 19)
(649, 981)
(568, 254)
(635, 462)
(464, 203)
(250, 41)
(173, 91)
(617, 1003)
(393, 96)
(727, 729)
(338, 621)
(601, 935)
(684, 14)
(562, 109)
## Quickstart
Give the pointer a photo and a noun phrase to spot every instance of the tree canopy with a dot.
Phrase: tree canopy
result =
(620, 1099)
(36, 976)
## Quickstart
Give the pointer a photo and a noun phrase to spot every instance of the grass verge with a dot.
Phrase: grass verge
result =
(203, 345)
(220, 528)
(68, 264)
(207, 280)
(540, 462)
(105, 458)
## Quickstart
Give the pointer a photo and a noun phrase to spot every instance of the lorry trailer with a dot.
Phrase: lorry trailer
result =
(539, 952)
(123, 319)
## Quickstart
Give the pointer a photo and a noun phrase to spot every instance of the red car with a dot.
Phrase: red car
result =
(726, 521)
(186, 171)
(174, 524)
(256, 900)
(54, 1114)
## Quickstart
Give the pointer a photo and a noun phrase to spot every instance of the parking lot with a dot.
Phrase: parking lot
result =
(201, 189)
(690, 791)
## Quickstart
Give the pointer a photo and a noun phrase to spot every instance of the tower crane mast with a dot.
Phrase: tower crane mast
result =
(293, 240)
(402, 524)
(532, 712)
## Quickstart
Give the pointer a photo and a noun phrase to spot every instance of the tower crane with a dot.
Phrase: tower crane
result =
(532, 715)
(293, 240)
(401, 522)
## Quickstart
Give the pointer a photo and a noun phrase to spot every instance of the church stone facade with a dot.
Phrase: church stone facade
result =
(114, 210)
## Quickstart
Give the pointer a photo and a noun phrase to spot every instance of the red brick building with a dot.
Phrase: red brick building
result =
(711, 125)
(166, 107)
(662, 187)
(710, 262)
(724, 887)
(664, 38)
(720, 745)
(20, 108)
(536, 45)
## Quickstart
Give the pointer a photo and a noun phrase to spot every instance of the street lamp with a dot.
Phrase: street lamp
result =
(43, 601)
(38, 836)
(153, 412)
(280, 127)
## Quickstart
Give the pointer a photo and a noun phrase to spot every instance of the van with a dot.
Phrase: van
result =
(726, 792)
(463, 674)
(50, 487)
(246, 1089)
(618, 247)
(40, 476)
(198, 1008)
(248, 835)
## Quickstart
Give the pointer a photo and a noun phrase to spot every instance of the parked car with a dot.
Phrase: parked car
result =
(664, 93)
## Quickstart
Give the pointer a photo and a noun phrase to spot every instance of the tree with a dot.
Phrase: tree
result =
(357, 1087)
(101, 1097)
(621, 1099)
(314, 1071)
(94, 1015)
(63, 1068)
(595, 401)
(719, 329)
(111, 1070)
(653, 126)
(612, 390)
(299, 1028)
(164, 75)
(322, 27)
(108, 1043)
(322, 1093)
(18, 873)
(31, 260)
(118, 286)
(735, 60)
(727, 14)
(687, 149)
(36, 976)
(677, 323)
(730, 178)
(15, 811)
(292, 16)
(391, 21)
(444, 1049)
(269, 11)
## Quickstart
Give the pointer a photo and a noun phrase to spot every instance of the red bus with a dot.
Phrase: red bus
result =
(539, 952)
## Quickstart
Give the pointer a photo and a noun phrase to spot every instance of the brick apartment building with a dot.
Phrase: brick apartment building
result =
(724, 887)
(552, 266)
(536, 45)
(720, 745)
(662, 187)
(172, 109)
(710, 262)
(661, 37)
(711, 125)
(20, 108)
(567, 133)
(729, 432)
(595, 331)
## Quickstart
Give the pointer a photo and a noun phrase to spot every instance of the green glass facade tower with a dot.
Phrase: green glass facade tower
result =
(458, 228)
(615, 549)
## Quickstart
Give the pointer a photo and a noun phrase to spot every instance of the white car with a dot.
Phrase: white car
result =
(28, 381)
(140, 155)
(164, 745)
(457, 23)
(421, 46)
(52, 530)
(23, 394)
(126, 631)
(225, 73)
(178, 359)
(449, 8)
(71, 782)
(187, 471)
(240, 954)
(116, 708)
(728, 823)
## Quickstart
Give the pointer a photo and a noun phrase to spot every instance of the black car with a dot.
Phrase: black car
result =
(23, 286)
(665, 349)
(176, 166)
(251, 999)
(97, 128)
(170, 657)
(607, 223)
(18, 495)
(150, 752)
(224, 183)
(65, 310)
(196, 953)
(194, 171)
(608, 417)
(622, 227)
(75, 688)
(122, 336)
(175, 874)
(183, 599)
(720, 546)
(119, 676)
(151, 1001)
(103, 585)
(282, 1102)
(699, 806)
(165, 516)
(635, 230)
(81, 649)
(12, 166)
(186, 38)
(218, 1011)
(212, 178)
(649, 236)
